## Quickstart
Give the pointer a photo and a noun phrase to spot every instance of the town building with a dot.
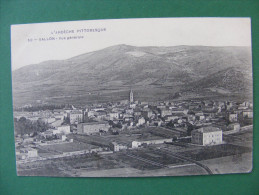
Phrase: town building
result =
(47, 134)
(92, 127)
(234, 126)
(232, 117)
(178, 110)
(63, 137)
(114, 115)
(56, 123)
(141, 121)
(65, 129)
(101, 115)
(170, 118)
(47, 119)
(75, 116)
(147, 113)
(117, 147)
(91, 113)
(136, 144)
(165, 112)
(137, 113)
(132, 105)
(207, 136)
(31, 152)
(248, 114)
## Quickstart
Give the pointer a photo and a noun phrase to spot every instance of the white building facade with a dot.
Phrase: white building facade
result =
(207, 136)
(92, 127)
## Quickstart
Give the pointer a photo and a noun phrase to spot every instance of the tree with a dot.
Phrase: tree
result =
(170, 124)
(26, 126)
(111, 123)
(189, 128)
(66, 120)
(22, 119)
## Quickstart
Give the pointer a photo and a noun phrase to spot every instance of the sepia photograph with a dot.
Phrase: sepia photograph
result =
(133, 97)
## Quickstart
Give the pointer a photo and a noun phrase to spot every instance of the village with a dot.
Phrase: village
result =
(129, 125)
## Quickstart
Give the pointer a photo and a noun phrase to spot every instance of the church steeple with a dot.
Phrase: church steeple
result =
(131, 96)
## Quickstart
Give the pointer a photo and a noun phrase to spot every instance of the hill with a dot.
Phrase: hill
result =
(152, 72)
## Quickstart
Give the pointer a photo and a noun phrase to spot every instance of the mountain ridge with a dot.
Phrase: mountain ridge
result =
(120, 67)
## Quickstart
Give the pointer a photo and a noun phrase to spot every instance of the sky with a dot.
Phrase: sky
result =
(35, 43)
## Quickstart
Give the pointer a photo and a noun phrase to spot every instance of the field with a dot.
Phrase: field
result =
(126, 137)
(68, 147)
(48, 151)
(230, 164)
(188, 169)
(153, 160)
(244, 138)
(66, 166)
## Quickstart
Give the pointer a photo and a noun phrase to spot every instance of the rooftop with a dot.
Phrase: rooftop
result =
(75, 112)
(94, 123)
(208, 129)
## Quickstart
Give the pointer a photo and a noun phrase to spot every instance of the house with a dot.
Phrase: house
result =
(136, 144)
(248, 114)
(48, 133)
(245, 104)
(234, 126)
(165, 112)
(179, 121)
(129, 111)
(114, 115)
(65, 129)
(75, 116)
(147, 113)
(200, 117)
(133, 105)
(229, 105)
(57, 123)
(98, 109)
(157, 123)
(47, 119)
(124, 102)
(91, 113)
(141, 121)
(92, 127)
(117, 147)
(27, 139)
(101, 115)
(170, 118)
(207, 136)
(191, 118)
(128, 118)
(232, 117)
(59, 116)
(63, 137)
(31, 152)
(179, 111)
(137, 113)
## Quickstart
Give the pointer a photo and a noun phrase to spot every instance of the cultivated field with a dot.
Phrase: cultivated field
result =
(177, 158)
(68, 147)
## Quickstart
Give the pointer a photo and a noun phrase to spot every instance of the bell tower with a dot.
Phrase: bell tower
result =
(131, 96)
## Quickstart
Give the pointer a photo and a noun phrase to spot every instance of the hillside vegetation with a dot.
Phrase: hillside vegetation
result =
(153, 73)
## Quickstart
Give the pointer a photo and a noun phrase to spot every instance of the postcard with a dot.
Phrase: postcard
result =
(133, 97)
